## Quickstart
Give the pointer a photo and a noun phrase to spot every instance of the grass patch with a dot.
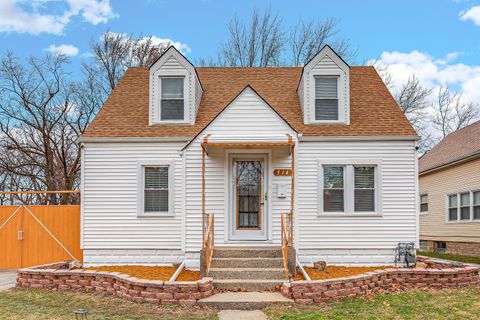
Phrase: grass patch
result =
(467, 259)
(445, 304)
(44, 304)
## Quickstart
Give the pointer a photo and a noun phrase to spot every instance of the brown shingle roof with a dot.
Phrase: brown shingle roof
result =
(373, 111)
(457, 146)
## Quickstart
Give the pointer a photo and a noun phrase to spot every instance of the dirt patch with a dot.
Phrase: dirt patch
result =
(332, 272)
(150, 273)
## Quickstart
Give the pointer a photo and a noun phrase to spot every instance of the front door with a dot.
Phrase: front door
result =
(248, 195)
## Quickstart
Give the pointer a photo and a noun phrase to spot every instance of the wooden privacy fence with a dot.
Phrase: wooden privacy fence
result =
(31, 235)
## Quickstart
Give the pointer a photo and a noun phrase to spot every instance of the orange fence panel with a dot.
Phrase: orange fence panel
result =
(39, 235)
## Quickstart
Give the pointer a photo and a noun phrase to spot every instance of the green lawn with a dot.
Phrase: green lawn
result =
(467, 259)
(442, 304)
(431, 304)
(44, 304)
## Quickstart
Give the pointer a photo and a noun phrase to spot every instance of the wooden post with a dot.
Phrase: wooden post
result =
(292, 195)
(203, 197)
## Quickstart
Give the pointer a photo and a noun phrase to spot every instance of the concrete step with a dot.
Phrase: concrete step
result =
(246, 273)
(248, 284)
(247, 263)
(247, 252)
(244, 300)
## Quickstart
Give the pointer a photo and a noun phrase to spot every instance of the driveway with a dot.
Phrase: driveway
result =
(7, 279)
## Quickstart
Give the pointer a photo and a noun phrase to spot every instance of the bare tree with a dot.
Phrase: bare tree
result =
(257, 44)
(41, 118)
(413, 100)
(307, 38)
(265, 41)
(114, 53)
(451, 113)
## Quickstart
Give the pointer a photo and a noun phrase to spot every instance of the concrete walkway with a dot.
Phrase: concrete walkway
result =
(7, 279)
(242, 315)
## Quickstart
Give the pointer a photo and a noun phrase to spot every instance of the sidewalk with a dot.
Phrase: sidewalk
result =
(7, 279)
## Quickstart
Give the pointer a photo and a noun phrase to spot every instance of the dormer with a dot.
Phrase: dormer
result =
(324, 89)
(175, 90)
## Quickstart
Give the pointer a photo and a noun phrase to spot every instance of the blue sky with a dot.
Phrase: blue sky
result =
(437, 39)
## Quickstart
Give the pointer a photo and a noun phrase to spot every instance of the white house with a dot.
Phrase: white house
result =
(325, 144)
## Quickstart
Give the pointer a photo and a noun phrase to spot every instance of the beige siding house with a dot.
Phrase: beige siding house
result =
(450, 194)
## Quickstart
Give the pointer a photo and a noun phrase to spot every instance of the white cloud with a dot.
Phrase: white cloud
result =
(182, 47)
(31, 16)
(472, 14)
(433, 72)
(65, 49)
(94, 11)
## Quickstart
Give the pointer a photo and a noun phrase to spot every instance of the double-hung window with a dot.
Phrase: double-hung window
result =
(172, 104)
(476, 205)
(333, 189)
(364, 195)
(350, 189)
(464, 206)
(452, 207)
(424, 203)
(326, 98)
(156, 189)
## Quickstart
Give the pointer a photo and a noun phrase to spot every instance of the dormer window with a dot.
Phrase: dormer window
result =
(324, 89)
(175, 90)
(172, 104)
(326, 98)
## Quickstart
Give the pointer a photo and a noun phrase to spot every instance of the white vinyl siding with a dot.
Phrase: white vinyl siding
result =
(356, 234)
(112, 205)
(326, 98)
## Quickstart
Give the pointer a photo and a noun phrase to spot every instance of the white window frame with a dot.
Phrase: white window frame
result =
(349, 186)
(141, 189)
(340, 75)
(157, 95)
(185, 109)
(422, 213)
(459, 220)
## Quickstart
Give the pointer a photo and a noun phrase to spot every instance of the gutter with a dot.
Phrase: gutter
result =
(132, 139)
(357, 138)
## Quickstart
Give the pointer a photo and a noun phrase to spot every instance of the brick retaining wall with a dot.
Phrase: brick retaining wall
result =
(57, 277)
(324, 290)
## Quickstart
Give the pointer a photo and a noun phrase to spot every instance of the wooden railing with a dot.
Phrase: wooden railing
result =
(209, 243)
(285, 243)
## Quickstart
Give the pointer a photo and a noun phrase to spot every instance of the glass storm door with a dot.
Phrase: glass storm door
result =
(248, 198)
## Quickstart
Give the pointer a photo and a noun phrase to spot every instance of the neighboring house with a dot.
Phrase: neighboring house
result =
(175, 142)
(450, 194)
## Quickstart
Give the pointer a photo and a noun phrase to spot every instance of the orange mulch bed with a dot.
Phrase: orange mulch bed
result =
(332, 272)
(150, 273)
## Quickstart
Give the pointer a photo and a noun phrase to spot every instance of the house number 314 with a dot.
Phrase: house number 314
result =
(282, 172)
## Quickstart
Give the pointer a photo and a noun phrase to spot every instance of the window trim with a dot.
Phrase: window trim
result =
(141, 189)
(422, 213)
(340, 75)
(349, 187)
(185, 109)
(447, 207)
(336, 77)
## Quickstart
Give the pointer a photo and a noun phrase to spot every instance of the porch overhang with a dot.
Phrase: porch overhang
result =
(212, 141)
